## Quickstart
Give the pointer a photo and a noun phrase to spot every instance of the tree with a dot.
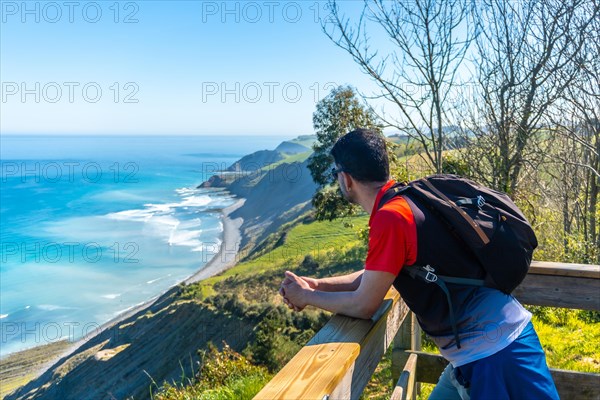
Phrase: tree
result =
(429, 39)
(577, 118)
(527, 56)
(337, 114)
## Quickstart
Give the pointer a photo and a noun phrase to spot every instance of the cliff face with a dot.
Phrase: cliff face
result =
(273, 197)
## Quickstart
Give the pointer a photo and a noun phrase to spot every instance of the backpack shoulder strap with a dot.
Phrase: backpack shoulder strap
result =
(396, 190)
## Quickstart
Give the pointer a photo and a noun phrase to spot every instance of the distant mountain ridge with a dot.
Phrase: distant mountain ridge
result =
(263, 158)
(256, 160)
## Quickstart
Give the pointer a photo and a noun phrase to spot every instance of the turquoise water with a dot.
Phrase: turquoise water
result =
(93, 226)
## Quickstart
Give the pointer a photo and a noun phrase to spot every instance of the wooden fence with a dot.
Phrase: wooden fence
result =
(339, 361)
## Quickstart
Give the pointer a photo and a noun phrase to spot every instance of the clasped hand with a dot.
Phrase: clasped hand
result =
(294, 290)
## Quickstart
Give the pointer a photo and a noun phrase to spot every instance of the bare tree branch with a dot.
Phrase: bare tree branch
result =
(430, 40)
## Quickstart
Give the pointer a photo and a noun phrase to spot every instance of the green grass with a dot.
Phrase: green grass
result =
(305, 140)
(224, 375)
(324, 241)
(572, 346)
(300, 157)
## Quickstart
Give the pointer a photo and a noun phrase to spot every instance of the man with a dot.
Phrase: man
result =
(498, 355)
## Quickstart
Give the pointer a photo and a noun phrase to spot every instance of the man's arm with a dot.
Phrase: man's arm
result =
(359, 303)
(343, 283)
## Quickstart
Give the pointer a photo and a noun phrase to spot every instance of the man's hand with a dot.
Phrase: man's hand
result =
(361, 302)
(312, 282)
(282, 294)
(294, 288)
(286, 301)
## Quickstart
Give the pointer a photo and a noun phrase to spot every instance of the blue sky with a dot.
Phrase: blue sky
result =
(168, 67)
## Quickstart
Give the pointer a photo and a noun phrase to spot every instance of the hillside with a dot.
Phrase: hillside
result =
(122, 361)
(263, 158)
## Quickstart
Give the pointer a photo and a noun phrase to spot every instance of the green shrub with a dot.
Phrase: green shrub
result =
(223, 375)
(563, 316)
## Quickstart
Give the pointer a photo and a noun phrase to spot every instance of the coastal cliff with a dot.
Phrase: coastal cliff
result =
(160, 342)
(276, 192)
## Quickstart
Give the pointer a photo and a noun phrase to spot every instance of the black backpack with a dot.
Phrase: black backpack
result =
(489, 224)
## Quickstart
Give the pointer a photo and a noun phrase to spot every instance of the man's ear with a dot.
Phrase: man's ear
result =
(348, 181)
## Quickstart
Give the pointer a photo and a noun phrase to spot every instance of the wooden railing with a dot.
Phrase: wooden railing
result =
(339, 361)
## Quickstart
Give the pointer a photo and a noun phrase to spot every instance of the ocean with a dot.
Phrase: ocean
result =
(92, 226)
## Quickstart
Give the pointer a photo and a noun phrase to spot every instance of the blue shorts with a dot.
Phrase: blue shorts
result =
(517, 372)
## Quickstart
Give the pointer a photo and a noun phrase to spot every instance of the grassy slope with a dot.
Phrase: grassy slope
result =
(291, 158)
(305, 140)
(322, 240)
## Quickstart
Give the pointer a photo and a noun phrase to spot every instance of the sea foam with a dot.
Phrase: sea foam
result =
(111, 296)
(162, 219)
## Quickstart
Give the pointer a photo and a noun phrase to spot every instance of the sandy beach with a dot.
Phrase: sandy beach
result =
(228, 252)
(18, 368)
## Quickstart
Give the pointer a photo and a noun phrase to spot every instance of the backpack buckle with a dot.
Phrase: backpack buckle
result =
(480, 201)
(430, 276)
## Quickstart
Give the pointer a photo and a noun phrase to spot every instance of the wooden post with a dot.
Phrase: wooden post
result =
(404, 389)
(407, 338)
(415, 345)
(402, 343)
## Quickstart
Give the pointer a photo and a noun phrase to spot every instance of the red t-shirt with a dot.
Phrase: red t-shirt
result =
(392, 235)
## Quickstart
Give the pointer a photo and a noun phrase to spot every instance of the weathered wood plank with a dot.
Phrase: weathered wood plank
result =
(559, 291)
(576, 385)
(429, 367)
(570, 384)
(562, 269)
(408, 338)
(374, 346)
(405, 388)
(344, 388)
(314, 372)
(416, 340)
(344, 352)
(402, 342)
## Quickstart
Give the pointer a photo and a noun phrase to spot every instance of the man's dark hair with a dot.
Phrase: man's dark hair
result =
(362, 154)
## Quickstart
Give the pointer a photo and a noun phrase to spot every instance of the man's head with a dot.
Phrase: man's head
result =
(362, 154)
